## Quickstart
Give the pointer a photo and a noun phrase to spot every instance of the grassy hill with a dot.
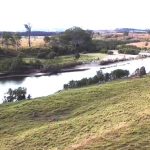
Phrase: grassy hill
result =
(113, 116)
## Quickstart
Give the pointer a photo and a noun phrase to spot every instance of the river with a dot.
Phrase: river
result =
(47, 85)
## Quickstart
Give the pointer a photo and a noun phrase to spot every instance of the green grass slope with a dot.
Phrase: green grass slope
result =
(112, 116)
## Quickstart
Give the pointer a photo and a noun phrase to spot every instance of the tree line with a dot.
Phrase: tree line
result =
(101, 77)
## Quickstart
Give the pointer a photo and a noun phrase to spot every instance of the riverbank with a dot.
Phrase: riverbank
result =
(7, 75)
(68, 64)
(116, 57)
(49, 84)
(80, 65)
(53, 66)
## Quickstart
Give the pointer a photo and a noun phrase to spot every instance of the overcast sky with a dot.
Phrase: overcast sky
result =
(61, 14)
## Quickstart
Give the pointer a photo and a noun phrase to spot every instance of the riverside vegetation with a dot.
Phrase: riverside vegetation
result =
(60, 51)
(100, 78)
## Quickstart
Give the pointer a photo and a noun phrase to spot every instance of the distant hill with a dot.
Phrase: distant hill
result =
(121, 30)
(35, 33)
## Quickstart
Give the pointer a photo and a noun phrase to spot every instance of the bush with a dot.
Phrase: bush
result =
(119, 73)
(17, 65)
(142, 71)
(77, 56)
(104, 51)
(35, 64)
(110, 53)
(5, 65)
(51, 55)
(42, 55)
(16, 94)
(129, 49)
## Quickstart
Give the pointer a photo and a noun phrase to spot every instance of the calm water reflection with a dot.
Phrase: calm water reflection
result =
(46, 85)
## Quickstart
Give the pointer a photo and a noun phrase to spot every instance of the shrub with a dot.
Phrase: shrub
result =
(110, 53)
(119, 73)
(17, 65)
(51, 55)
(42, 55)
(77, 56)
(129, 49)
(16, 94)
(142, 71)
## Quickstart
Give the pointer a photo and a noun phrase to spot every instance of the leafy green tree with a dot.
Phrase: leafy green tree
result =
(100, 75)
(20, 93)
(119, 73)
(142, 71)
(16, 94)
(78, 38)
(28, 28)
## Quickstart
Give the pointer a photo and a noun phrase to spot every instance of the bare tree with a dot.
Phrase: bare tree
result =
(28, 28)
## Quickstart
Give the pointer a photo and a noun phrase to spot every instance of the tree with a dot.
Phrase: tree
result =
(20, 93)
(119, 73)
(142, 71)
(7, 39)
(10, 96)
(78, 38)
(28, 28)
(16, 40)
(46, 39)
(100, 75)
(16, 94)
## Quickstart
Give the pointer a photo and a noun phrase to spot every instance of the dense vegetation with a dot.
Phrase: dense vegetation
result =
(16, 95)
(129, 49)
(73, 41)
(106, 45)
(47, 65)
(110, 116)
(99, 78)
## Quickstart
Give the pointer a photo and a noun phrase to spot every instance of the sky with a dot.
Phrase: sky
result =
(52, 15)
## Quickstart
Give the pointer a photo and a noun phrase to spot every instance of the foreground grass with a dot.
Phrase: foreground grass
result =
(114, 116)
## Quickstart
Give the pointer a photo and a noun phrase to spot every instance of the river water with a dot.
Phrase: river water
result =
(46, 85)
